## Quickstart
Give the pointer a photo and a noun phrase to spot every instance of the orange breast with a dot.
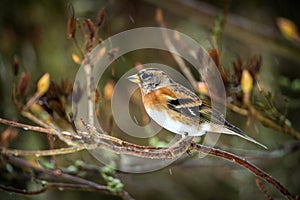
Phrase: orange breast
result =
(158, 97)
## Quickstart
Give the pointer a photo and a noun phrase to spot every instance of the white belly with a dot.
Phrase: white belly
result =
(176, 127)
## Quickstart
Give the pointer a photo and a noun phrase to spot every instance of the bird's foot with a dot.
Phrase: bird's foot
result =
(173, 147)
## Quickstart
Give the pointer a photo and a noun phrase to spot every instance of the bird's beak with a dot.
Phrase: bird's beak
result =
(134, 78)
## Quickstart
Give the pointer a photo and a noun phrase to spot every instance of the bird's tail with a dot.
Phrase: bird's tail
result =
(232, 130)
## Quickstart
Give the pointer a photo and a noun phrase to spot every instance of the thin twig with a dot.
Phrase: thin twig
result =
(88, 67)
(75, 186)
(36, 120)
(242, 162)
(171, 47)
(264, 120)
(63, 176)
(22, 191)
(27, 127)
(262, 189)
(38, 153)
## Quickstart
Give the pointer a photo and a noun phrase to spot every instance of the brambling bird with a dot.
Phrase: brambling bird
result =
(178, 109)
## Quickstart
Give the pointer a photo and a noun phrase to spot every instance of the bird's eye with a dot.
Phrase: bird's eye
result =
(155, 85)
(146, 76)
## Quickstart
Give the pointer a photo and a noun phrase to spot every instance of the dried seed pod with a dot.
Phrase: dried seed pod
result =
(91, 27)
(254, 65)
(71, 25)
(214, 54)
(100, 17)
(23, 83)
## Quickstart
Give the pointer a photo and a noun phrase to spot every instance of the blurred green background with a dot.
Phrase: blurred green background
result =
(36, 32)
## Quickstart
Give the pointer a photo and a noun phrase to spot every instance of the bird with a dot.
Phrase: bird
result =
(178, 109)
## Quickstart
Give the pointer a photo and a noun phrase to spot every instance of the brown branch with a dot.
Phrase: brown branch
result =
(171, 47)
(69, 186)
(164, 153)
(262, 189)
(242, 162)
(39, 153)
(22, 191)
(36, 120)
(72, 186)
(88, 67)
(157, 153)
(264, 120)
(26, 127)
(130, 149)
(67, 177)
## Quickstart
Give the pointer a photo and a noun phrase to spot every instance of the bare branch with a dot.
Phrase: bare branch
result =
(82, 183)
(171, 47)
(242, 162)
(153, 153)
(27, 127)
(22, 191)
(264, 120)
(39, 153)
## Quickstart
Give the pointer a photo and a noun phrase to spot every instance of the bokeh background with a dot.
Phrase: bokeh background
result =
(36, 32)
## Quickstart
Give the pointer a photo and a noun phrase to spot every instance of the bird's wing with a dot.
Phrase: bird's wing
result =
(188, 103)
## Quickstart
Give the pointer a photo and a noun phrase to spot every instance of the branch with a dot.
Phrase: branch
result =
(39, 153)
(82, 183)
(242, 162)
(164, 153)
(130, 149)
(88, 70)
(152, 153)
(264, 120)
(22, 191)
(171, 47)
(27, 127)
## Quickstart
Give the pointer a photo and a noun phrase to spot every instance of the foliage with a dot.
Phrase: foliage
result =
(46, 102)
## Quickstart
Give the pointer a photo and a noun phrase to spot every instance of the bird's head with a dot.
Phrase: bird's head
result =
(150, 79)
